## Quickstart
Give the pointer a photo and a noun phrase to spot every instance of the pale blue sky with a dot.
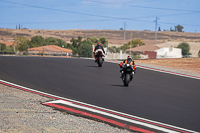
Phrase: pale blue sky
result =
(100, 14)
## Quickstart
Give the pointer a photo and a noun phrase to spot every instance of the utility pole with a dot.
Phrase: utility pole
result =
(124, 32)
(156, 25)
(131, 41)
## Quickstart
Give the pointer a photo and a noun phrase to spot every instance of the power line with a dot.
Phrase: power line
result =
(143, 6)
(166, 15)
(177, 23)
(72, 12)
(88, 14)
(53, 22)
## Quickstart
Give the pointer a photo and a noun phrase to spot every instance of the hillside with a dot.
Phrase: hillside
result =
(115, 37)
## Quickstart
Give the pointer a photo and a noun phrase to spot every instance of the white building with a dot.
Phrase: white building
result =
(171, 52)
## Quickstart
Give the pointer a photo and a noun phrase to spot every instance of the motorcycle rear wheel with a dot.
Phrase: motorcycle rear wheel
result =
(100, 62)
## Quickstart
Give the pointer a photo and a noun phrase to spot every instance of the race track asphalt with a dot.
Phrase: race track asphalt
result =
(157, 96)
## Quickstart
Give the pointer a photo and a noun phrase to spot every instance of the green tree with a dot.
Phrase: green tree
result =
(117, 50)
(133, 43)
(10, 49)
(69, 46)
(74, 42)
(159, 29)
(79, 40)
(74, 50)
(22, 43)
(85, 49)
(179, 28)
(124, 47)
(94, 40)
(104, 41)
(62, 43)
(36, 41)
(3, 46)
(185, 48)
(136, 42)
(113, 49)
(51, 41)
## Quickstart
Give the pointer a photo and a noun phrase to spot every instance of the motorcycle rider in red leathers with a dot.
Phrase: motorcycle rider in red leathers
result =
(96, 49)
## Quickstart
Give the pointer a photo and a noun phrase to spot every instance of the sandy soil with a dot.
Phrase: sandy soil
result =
(186, 65)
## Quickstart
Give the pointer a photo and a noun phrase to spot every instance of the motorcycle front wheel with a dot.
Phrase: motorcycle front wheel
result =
(126, 79)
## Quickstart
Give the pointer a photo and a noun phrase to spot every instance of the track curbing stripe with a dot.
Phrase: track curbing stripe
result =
(100, 118)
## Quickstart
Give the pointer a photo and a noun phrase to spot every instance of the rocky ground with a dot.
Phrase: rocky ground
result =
(22, 112)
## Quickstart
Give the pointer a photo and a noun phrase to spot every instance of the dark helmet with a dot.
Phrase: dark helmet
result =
(98, 43)
(129, 57)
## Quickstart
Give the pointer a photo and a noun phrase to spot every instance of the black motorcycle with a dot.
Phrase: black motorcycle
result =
(127, 74)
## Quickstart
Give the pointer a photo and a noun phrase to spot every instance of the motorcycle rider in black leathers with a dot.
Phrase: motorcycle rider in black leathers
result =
(130, 61)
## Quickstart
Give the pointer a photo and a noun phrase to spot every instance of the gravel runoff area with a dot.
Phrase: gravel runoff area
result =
(188, 66)
(180, 71)
(21, 111)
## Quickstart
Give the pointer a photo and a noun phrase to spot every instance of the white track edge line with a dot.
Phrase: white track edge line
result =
(114, 116)
(170, 72)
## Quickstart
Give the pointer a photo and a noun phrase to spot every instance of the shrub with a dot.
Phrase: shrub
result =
(113, 49)
(185, 48)
(3, 46)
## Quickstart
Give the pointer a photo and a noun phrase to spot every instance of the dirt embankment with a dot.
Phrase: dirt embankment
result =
(185, 65)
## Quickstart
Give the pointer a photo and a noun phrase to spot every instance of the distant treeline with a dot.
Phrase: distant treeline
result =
(80, 47)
